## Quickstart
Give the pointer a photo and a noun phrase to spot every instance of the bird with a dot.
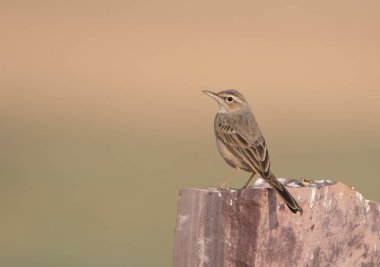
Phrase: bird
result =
(241, 142)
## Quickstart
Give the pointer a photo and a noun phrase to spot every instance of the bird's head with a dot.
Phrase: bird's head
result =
(229, 100)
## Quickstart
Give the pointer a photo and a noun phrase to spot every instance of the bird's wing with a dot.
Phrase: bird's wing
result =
(252, 152)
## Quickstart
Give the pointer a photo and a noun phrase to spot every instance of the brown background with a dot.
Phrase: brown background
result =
(103, 119)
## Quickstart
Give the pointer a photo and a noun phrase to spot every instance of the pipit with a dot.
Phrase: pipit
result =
(241, 143)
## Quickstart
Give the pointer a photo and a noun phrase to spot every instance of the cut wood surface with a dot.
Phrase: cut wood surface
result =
(253, 227)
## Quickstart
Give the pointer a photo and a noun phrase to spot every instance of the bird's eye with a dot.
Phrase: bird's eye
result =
(230, 99)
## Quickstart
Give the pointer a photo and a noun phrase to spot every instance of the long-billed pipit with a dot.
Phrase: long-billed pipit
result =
(241, 143)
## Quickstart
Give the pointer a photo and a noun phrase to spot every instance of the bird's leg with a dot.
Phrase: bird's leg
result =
(249, 180)
(228, 178)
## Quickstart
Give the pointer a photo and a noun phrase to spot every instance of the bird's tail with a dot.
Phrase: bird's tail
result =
(285, 195)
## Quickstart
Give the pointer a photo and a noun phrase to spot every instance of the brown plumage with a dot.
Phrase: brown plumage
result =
(241, 143)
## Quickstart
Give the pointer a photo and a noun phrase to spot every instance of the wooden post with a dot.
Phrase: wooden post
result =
(253, 227)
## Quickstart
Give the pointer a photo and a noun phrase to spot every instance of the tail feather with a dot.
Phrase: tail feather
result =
(285, 195)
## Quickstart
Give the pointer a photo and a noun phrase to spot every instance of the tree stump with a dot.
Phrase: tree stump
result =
(253, 227)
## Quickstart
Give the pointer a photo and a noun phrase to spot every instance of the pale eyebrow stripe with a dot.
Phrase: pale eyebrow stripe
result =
(235, 97)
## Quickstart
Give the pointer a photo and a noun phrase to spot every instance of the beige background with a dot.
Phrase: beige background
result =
(103, 119)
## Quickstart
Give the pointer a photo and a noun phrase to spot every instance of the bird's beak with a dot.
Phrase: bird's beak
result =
(212, 94)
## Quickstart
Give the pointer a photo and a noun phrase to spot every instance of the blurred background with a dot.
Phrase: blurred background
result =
(102, 117)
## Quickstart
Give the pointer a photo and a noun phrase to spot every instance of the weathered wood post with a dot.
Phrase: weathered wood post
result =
(252, 227)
